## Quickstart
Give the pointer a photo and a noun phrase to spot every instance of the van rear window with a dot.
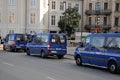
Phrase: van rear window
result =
(21, 37)
(58, 39)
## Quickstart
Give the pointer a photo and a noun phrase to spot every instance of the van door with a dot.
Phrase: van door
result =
(97, 51)
(58, 44)
(84, 51)
(21, 41)
(113, 48)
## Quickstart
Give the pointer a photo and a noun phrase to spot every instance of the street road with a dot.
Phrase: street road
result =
(19, 66)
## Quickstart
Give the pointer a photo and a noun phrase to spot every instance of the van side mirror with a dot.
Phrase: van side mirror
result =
(81, 44)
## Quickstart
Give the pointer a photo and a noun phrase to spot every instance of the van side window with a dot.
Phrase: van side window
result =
(44, 38)
(37, 39)
(21, 37)
(10, 37)
(98, 42)
(113, 43)
(86, 41)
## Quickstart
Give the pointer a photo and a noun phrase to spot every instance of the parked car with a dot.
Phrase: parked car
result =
(102, 49)
(48, 44)
(14, 42)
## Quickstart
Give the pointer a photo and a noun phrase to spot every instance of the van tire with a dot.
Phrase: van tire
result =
(4, 48)
(78, 60)
(112, 66)
(43, 55)
(60, 56)
(28, 52)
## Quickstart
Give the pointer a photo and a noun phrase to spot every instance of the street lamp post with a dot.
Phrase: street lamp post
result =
(82, 19)
(65, 17)
(48, 16)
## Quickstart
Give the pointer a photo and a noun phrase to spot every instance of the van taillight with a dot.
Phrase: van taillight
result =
(48, 46)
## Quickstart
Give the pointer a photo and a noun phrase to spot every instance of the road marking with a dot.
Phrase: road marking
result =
(8, 64)
(50, 78)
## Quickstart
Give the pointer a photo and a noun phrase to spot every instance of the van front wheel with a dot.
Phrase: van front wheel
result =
(78, 61)
(28, 52)
(4, 48)
(43, 55)
(112, 67)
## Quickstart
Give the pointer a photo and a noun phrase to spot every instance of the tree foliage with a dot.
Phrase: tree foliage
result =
(71, 18)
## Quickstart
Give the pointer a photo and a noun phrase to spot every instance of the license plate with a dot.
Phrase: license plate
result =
(53, 51)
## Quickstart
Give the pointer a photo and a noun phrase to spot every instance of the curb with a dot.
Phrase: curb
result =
(70, 54)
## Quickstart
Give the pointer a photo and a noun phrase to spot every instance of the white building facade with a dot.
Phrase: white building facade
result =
(29, 16)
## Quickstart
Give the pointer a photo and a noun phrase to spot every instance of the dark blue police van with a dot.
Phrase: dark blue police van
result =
(48, 44)
(101, 50)
(15, 41)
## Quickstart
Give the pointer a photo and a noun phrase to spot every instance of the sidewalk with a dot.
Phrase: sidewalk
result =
(1, 47)
(70, 50)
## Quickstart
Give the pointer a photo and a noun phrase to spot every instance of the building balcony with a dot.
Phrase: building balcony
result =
(104, 27)
(98, 12)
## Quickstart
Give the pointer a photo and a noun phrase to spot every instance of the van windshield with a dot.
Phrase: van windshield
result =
(58, 39)
(21, 38)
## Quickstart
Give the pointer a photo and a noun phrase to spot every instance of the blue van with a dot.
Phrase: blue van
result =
(15, 41)
(101, 50)
(48, 44)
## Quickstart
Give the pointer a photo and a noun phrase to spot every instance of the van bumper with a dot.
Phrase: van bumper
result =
(51, 52)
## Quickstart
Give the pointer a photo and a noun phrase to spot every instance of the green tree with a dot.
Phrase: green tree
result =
(72, 21)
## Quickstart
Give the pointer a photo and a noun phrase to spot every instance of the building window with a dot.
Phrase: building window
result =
(77, 6)
(90, 6)
(117, 7)
(116, 21)
(32, 18)
(53, 4)
(97, 20)
(11, 17)
(69, 5)
(61, 6)
(33, 3)
(11, 31)
(90, 20)
(105, 21)
(97, 6)
(61, 17)
(105, 6)
(11, 2)
(53, 20)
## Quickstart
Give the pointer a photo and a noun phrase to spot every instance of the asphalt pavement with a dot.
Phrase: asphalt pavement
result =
(19, 66)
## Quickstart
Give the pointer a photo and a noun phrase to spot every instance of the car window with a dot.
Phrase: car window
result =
(58, 39)
(37, 39)
(44, 38)
(10, 37)
(98, 42)
(86, 41)
(21, 37)
(113, 43)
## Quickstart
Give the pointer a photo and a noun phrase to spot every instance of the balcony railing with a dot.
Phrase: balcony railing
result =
(97, 12)
(104, 27)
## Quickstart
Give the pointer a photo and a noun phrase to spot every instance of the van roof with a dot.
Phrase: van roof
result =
(51, 33)
(16, 33)
(104, 34)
